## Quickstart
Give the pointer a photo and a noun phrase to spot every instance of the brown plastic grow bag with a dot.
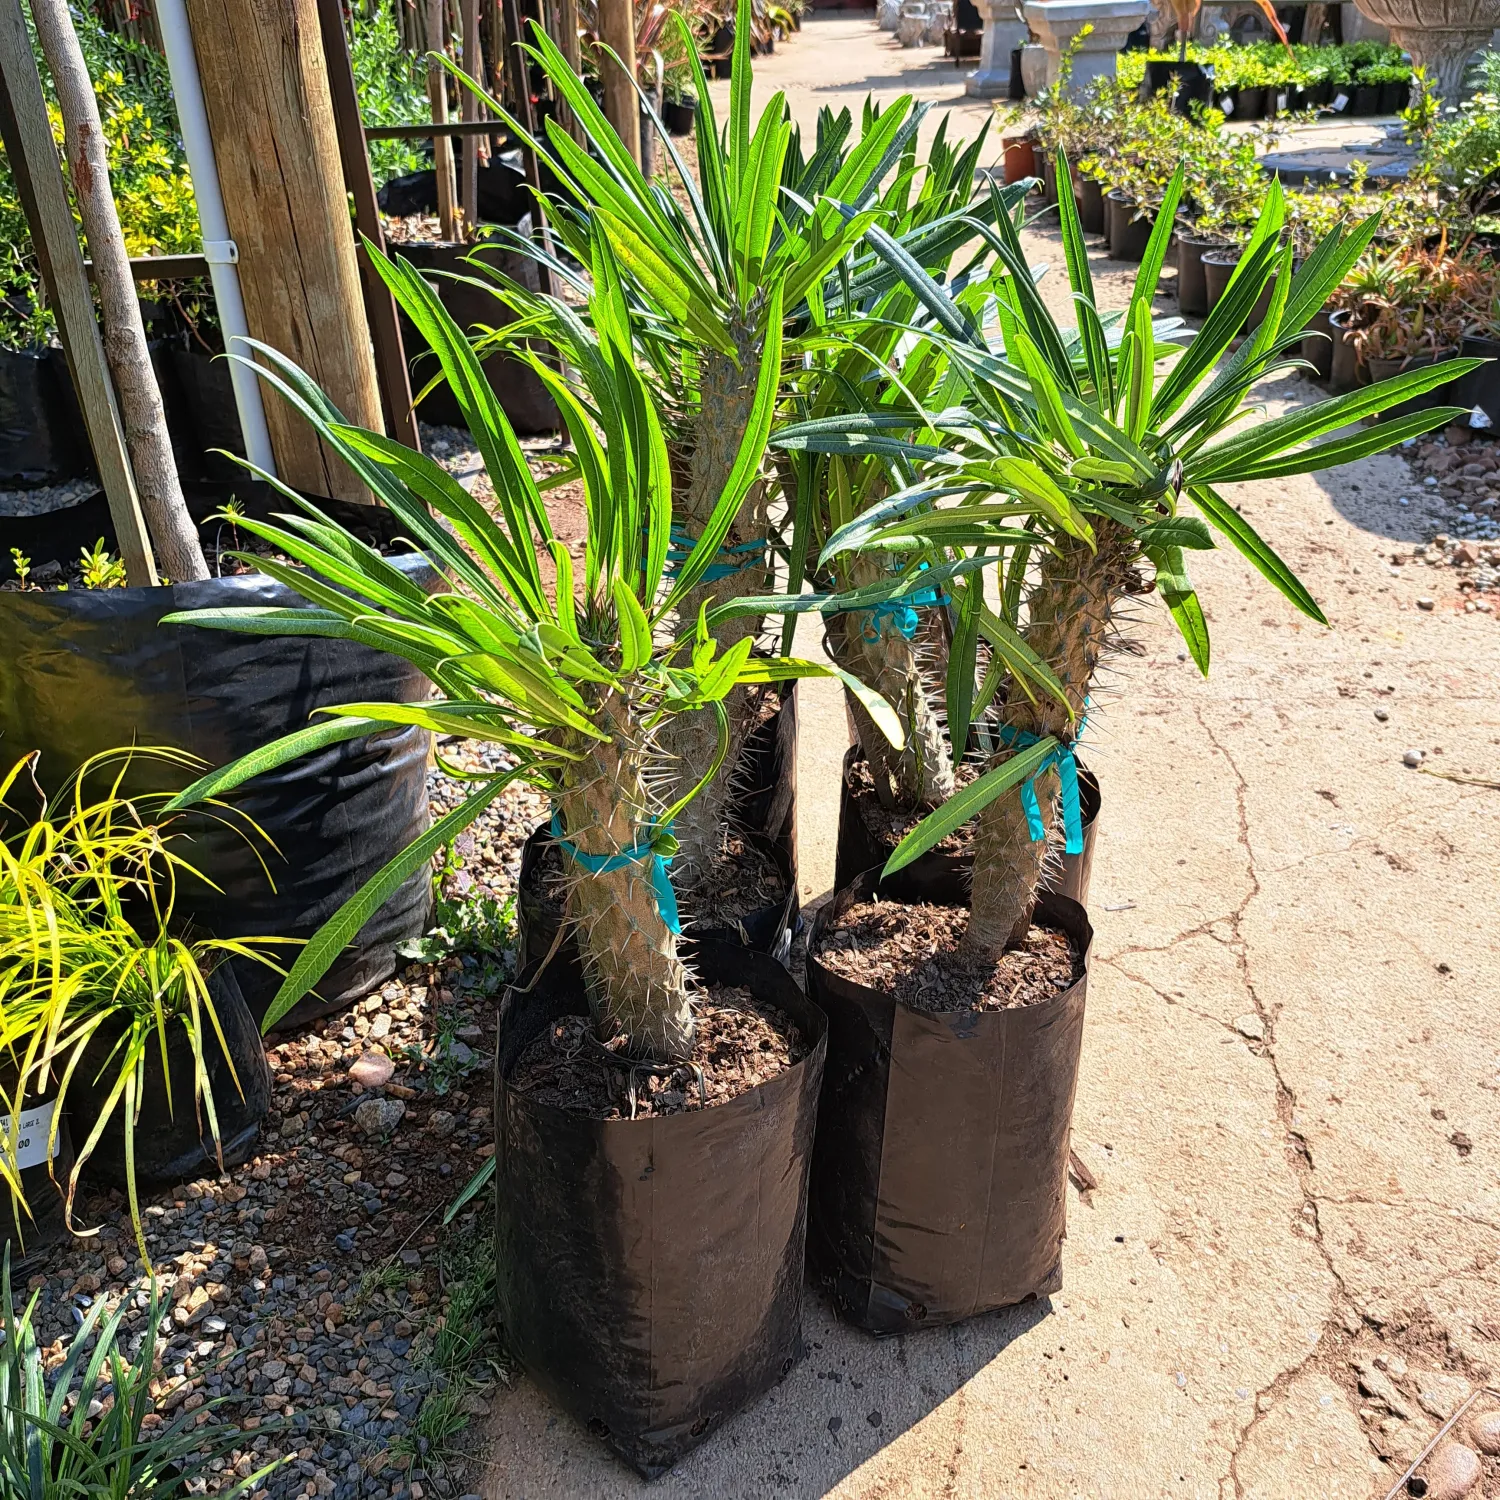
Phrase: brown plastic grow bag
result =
(860, 848)
(648, 1273)
(941, 1159)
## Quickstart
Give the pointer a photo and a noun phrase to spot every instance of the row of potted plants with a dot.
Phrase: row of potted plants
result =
(776, 406)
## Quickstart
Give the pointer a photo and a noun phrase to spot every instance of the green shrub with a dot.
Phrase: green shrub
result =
(392, 87)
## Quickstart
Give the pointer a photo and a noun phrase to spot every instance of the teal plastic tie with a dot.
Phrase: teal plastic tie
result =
(1066, 764)
(738, 558)
(639, 853)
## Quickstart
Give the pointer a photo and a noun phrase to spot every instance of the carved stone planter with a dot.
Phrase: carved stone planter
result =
(1058, 22)
(1441, 35)
(1004, 31)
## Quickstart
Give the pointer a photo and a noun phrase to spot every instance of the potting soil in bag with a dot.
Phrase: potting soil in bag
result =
(649, 1272)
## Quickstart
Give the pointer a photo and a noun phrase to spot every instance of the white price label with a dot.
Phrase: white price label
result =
(1281, 101)
(1342, 102)
(36, 1126)
(1226, 104)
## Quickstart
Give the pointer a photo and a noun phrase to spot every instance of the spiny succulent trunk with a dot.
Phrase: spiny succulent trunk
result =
(689, 741)
(871, 647)
(1070, 612)
(637, 985)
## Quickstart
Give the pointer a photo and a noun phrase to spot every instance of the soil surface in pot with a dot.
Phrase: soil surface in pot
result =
(912, 953)
(890, 825)
(739, 1046)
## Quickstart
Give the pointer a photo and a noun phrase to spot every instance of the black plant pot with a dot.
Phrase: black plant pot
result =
(763, 806)
(861, 848)
(1091, 213)
(1365, 99)
(28, 1232)
(172, 1142)
(1278, 98)
(209, 418)
(1480, 388)
(1192, 286)
(1383, 369)
(1317, 345)
(1017, 90)
(41, 430)
(522, 395)
(1128, 235)
(649, 1272)
(678, 115)
(1190, 83)
(1394, 97)
(941, 1159)
(1227, 102)
(1218, 268)
(1320, 95)
(1250, 103)
(1347, 371)
(87, 671)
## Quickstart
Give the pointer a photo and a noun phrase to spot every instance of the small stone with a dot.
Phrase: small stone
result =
(259, 1260)
(1484, 1432)
(441, 1124)
(1452, 1472)
(873, 1418)
(1382, 714)
(395, 1179)
(380, 1026)
(379, 1117)
(1251, 1026)
(1181, 1381)
(1426, 603)
(1413, 758)
(372, 1070)
(344, 1242)
(116, 1265)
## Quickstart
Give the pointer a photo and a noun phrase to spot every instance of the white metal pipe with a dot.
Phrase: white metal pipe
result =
(218, 248)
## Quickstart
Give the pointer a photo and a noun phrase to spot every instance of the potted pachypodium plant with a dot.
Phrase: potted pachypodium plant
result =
(974, 1039)
(111, 1017)
(703, 1080)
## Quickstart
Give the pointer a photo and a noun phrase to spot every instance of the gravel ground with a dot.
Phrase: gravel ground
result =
(1460, 478)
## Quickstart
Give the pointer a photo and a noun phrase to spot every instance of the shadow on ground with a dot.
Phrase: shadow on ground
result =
(798, 1442)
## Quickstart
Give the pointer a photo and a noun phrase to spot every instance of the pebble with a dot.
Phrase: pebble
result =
(1452, 1472)
(1484, 1432)
(372, 1070)
(1413, 758)
(379, 1117)
(1426, 603)
(441, 1124)
(1382, 715)
(1251, 1026)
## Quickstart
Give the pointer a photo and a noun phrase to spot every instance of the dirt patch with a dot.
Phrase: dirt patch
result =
(912, 953)
(739, 1045)
(889, 825)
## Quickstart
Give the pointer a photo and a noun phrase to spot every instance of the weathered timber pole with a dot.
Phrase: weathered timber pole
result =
(265, 83)
(622, 105)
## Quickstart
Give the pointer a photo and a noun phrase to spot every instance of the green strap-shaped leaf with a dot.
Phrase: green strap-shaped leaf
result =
(1248, 543)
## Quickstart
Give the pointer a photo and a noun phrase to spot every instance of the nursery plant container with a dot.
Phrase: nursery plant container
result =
(1192, 285)
(1364, 99)
(209, 419)
(941, 1159)
(86, 671)
(523, 397)
(763, 807)
(1479, 388)
(1020, 160)
(1191, 83)
(1227, 102)
(1048, 174)
(1317, 345)
(1128, 235)
(41, 429)
(172, 1142)
(1250, 102)
(861, 847)
(1091, 214)
(28, 1236)
(1347, 370)
(1017, 90)
(1218, 267)
(649, 1272)
(678, 114)
(1383, 369)
(1394, 97)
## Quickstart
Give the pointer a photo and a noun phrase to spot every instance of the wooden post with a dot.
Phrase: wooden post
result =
(158, 488)
(515, 74)
(566, 12)
(266, 88)
(27, 134)
(473, 65)
(380, 306)
(442, 145)
(622, 105)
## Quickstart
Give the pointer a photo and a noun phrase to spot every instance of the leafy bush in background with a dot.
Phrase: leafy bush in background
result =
(392, 88)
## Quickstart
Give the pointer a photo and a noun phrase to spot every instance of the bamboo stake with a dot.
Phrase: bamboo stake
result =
(145, 420)
(442, 145)
(27, 134)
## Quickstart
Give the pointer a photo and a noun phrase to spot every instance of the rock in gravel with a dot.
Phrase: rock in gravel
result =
(1426, 603)
(259, 1261)
(1382, 714)
(1452, 1472)
(379, 1117)
(1484, 1432)
(1251, 1026)
(1413, 758)
(372, 1070)
(441, 1123)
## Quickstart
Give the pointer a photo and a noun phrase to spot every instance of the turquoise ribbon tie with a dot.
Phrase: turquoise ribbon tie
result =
(1065, 762)
(741, 556)
(638, 853)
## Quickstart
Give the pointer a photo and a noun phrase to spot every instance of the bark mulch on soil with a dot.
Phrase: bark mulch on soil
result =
(738, 1045)
(912, 953)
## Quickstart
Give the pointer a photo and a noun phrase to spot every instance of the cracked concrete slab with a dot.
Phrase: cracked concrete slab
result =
(1270, 1209)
